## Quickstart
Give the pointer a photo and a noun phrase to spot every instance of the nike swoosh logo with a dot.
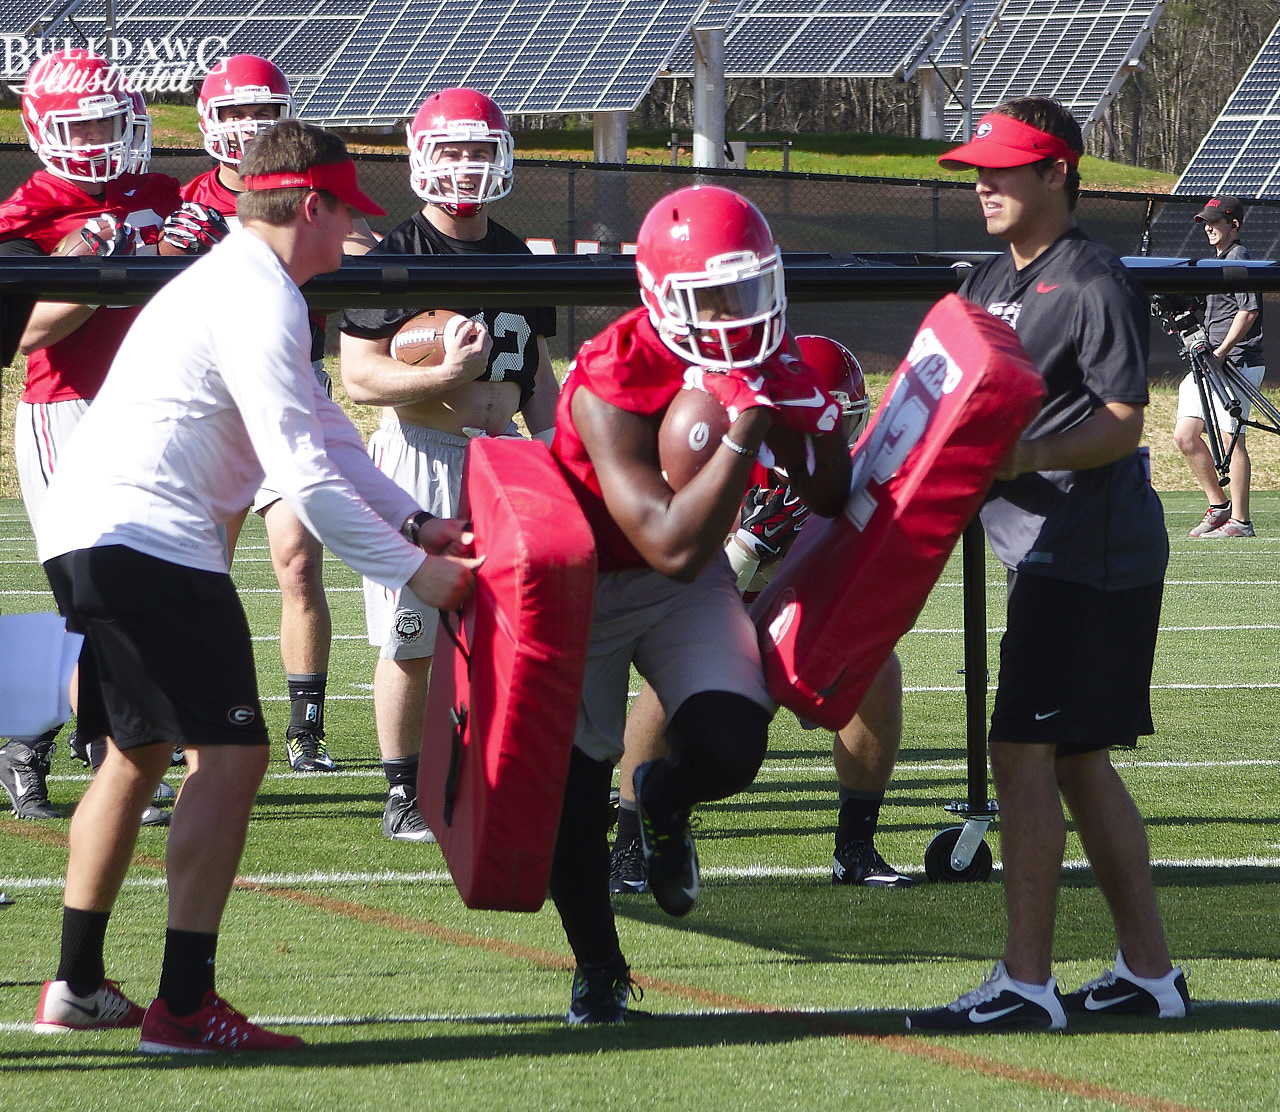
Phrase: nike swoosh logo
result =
(1042, 287)
(1092, 1004)
(92, 1013)
(818, 400)
(130, 192)
(1041, 717)
(770, 531)
(976, 1016)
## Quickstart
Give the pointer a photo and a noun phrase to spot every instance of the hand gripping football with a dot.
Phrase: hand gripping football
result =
(689, 435)
(420, 340)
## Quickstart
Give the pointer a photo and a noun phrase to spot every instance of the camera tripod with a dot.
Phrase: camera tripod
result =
(1223, 384)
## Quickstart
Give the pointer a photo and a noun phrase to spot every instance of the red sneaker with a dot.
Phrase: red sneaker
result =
(215, 1027)
(60, 1009)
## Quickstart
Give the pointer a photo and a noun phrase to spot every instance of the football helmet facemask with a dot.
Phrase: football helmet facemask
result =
(711, 278)
(140, 141)
(459, 185)
(237, 81)
(67, 92)
(841, 376)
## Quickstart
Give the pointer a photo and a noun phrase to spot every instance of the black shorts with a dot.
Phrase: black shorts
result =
(1075, 665)
(167, 656)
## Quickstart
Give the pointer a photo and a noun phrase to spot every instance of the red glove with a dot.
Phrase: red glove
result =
(109, 235)
(194, 228)
(735, 390)
(771, 520)
(801, 402)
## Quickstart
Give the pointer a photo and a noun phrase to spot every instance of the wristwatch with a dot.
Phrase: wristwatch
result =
(413, 526)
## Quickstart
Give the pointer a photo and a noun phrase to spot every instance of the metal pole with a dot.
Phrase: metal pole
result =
(974, 590)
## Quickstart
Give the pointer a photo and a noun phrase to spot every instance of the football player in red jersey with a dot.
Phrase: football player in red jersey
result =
(460, 162)
(240, 97)
(866, 749)
(713, 318)
(79, 114)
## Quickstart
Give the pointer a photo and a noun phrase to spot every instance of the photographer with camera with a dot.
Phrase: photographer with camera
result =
(1233, 323)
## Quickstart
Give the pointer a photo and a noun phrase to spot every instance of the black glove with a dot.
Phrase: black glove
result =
(771, 520)
(194, 228)
(109, 235)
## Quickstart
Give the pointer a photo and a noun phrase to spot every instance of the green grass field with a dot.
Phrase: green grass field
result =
(778, 991)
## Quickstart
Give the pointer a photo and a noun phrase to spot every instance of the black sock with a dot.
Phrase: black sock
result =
(81, 964)
(403, 771)
(1220, 505)
(859, 814)
(187, 972)
(306, 702)
(628, 824)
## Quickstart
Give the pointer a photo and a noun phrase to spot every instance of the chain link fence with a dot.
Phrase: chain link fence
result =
(570, 202)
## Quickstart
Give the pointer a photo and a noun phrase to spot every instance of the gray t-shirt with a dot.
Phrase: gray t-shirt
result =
(1084, 322)
(1220, 310)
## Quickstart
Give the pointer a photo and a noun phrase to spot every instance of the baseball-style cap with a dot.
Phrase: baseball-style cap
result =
(1221, 208)
(1000, 142)
(338, 178)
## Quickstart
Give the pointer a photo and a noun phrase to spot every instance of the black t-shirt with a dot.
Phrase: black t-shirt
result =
(1084, 322)
(1220, 311)
(15, 310)
(514, 356)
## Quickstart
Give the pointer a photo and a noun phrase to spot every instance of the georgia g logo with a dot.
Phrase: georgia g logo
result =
(241, 716)
(984, 129)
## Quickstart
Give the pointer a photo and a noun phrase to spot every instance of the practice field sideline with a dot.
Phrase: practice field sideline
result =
(779, 990)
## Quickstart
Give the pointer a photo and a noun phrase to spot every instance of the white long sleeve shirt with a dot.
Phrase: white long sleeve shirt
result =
(211, 389)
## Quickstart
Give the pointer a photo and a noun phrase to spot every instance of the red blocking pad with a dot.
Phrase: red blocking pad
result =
(503, 700)
(852, 585)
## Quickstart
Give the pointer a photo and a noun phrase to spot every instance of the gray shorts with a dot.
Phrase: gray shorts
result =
(1189, 400)
(268, 495)
(683, 638)
(427, 464)
(40, 429)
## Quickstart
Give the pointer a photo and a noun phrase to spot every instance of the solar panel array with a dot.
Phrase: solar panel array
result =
(1240, 155)
(1076, 51)
(374, 61)
(826, 38)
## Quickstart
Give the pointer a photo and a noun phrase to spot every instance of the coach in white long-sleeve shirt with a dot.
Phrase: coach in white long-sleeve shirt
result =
(211, 389)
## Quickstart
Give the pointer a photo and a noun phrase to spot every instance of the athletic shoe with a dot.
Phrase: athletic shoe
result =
(164, 793)
(1120, 991)
(60, 1009)
(670, 857)
(23, 771)
(860, 863)
(308, 752)
(996, 1004)
(1232, 528)
(79, 749)
(153, 816)
(215, 1027)
(401, 819)
(1213, 517)
(179, 756)
(600, 995)
(627, 876)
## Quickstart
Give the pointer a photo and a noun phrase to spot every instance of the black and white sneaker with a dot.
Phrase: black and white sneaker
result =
(1120, 991)
(600, 995)
(401, 819)
(308, 752)
(861, 863)
(627, 875)
(670, 857)
(996, 1004)
(23, 771)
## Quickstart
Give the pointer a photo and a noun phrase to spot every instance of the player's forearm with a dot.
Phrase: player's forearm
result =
(52, 321)
(381, 380)
(1112, 432)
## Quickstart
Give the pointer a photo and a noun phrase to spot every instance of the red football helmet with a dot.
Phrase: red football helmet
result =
(841, 375)
(140, 142)
(711, 278)
(64, 93)
(240, 80)
(459, 116)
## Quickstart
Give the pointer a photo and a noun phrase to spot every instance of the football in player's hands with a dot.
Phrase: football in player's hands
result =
(420, 340)
(99, 235)
(689, 435)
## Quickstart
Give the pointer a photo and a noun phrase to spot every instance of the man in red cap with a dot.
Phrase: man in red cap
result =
(197, 405)
(1074, 519)
(1233, 322)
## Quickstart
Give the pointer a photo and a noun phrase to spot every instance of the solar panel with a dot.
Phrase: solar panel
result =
(1240, 155)
(1076, 51)
(827, 38)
